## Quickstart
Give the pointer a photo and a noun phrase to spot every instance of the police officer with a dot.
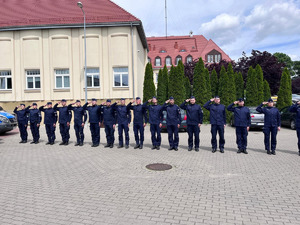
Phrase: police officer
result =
(194, 121)
(109, 119)
(296, 108)
(272, 124)
(124, 119)
(217, 121)
(35, 119)
(95, 120)
(22, 116)
(173, 122)
(80, 118)
(242, 122)
(139, 121)
(155, 120)
(50, 119)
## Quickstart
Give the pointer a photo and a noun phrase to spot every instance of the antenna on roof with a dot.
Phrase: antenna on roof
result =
(191, 33)
(166, 18)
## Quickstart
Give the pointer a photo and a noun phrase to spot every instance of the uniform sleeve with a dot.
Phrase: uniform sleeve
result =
(183, 105)
(55, 107)
(70, 107)
(129, 106)
(230, 107)
(145, 105)
(293, 108)
(27, 109)
(42, 109)
(207, 105)
(84, 116)
(85, 106)
(200, 114)
(16, 110)
(260, 109)
(164, 107)
(248, 118)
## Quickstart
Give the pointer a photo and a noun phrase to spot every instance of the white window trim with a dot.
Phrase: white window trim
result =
(93, 74)
(170, 61)
(5, 78)
(62, 75)
(159, 61)
(33, 76)
(121, 78)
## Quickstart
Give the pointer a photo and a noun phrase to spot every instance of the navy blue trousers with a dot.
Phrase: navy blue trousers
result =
(124, 127)
(214, 130)
(95, 131)
(110, 134)
(64, 132)
(241, 137)
(155, 134)
(273, 132)
(79, 133)
(138, 128)
(193, 131)
(173, 135)
(35, 131)
(298, 135)
(23, 130)
(50, 130)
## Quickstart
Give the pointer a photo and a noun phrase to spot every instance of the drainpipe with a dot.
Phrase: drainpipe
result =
(132, 55)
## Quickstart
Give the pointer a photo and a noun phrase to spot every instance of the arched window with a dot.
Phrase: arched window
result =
(168, 61)
(178, 58)
(157, 61)
(189, 59)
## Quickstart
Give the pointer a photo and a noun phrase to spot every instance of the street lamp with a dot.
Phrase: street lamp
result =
(80, 5)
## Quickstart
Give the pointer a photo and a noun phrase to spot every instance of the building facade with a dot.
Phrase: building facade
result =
(169, 50)
(42, 51)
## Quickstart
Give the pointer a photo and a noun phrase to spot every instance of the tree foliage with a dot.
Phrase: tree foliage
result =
(251, 88)
(259, 83)
(296, 86)
(214, 81)
(285, 90)
(176, 87)
(285, 60)
(239, 85)
(231, 84)
(267, 91)
(149, 87)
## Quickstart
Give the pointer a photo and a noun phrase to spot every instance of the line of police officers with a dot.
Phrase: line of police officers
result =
(111, 114)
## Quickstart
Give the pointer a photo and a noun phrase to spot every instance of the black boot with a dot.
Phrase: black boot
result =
(273, 152)
(171, 148)
(239, 151)
(62, 143)
(157, 147)
(190, 149)
(136, 146)
(120, 146)
(214, 150)
(197, 149)
(141, 147)
(222, 150)
(111, 145)
(245, 151)
(107, 145)
(153, 147)
(81, 144)
(126, 146)
(76, 144)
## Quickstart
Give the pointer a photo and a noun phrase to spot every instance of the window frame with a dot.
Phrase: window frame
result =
(121, 77)
(92, 75)
(176, 59)
(34, 76)
(159, 61)
(6, 77)
(189, 56)
(62, 75)
(168, 57)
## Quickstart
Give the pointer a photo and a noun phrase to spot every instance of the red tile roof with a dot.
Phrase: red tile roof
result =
(20, 13)
(197, 46)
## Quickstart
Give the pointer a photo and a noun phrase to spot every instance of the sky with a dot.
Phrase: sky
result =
(237, 26)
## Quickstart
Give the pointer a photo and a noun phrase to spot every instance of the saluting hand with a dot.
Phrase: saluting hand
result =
(58, 102)
(133, 101)
(150, 100)
(167, 101)
(236, 102)
(187, 100)
(264, 103)
(89, 102)
(212, 99)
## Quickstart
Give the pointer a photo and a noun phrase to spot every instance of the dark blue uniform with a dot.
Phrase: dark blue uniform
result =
(155, 118)
(217, 121)
(80, 118)
(22, 116)
(65, 116)
(94, 119)
(242, 120)
(194, 118)
(50, 119)
(296, 108)
(173, 120)
(140, 117)
(124, 119)
(35, 119)
(109, 118)
(271, 123)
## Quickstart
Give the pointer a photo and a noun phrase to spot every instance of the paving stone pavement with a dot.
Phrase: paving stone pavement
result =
(42, 184)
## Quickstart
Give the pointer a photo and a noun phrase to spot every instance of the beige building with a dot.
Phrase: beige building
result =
(42, 57)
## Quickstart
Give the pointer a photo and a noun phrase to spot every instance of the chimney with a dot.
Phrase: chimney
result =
(176, 45)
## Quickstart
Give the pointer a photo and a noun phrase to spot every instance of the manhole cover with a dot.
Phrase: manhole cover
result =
(159, 166)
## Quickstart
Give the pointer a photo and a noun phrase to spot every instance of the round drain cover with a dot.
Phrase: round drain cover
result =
(159, 166)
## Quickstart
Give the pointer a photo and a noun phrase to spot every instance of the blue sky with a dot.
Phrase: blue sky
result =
(236, 26)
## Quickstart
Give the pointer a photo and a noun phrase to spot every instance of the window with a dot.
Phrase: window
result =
(5, 80)
(62, 78)
(210, 58)
(178, 58)
(92, 76)
(168, 61)
(157, 61)
(163, 51)
(33, 78)
(217, 58)
(189, 59)
(182, 50)
(120, 77)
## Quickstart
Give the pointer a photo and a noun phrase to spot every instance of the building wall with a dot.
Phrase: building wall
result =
(51, 49)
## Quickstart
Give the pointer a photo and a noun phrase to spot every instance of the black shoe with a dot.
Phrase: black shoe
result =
(81, 144)
(239, 151)
(76, 144)
(62, 143)
(111, 145)
(66, 143)
(197, 149)
(93, 145)
(190, 149)
(214, 150)
(170, 149)
(141, 147)
(120, 146)
(268, 152)
(245, 151)
(32, 142)
(176, 148)
(222, 150)
(136, 146)
(153, 147)
(126, 146)
(36, 142)
(48, 143)
(157, 147)
(52, 143)
(107, 145)
(21, 142)
(273, 153)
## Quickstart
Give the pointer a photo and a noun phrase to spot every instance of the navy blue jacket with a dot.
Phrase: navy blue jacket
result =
(217, 113)
(65, 114)
(50, 116)
(34, 115)
(272, 116)
(22, 115)
(80, 115)
(123, 114)
(109, 114)
(139, 112)
(296, 108)
(194, 113)
(173, 114)
(94, 112)
(155, 113)
(242, 117)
